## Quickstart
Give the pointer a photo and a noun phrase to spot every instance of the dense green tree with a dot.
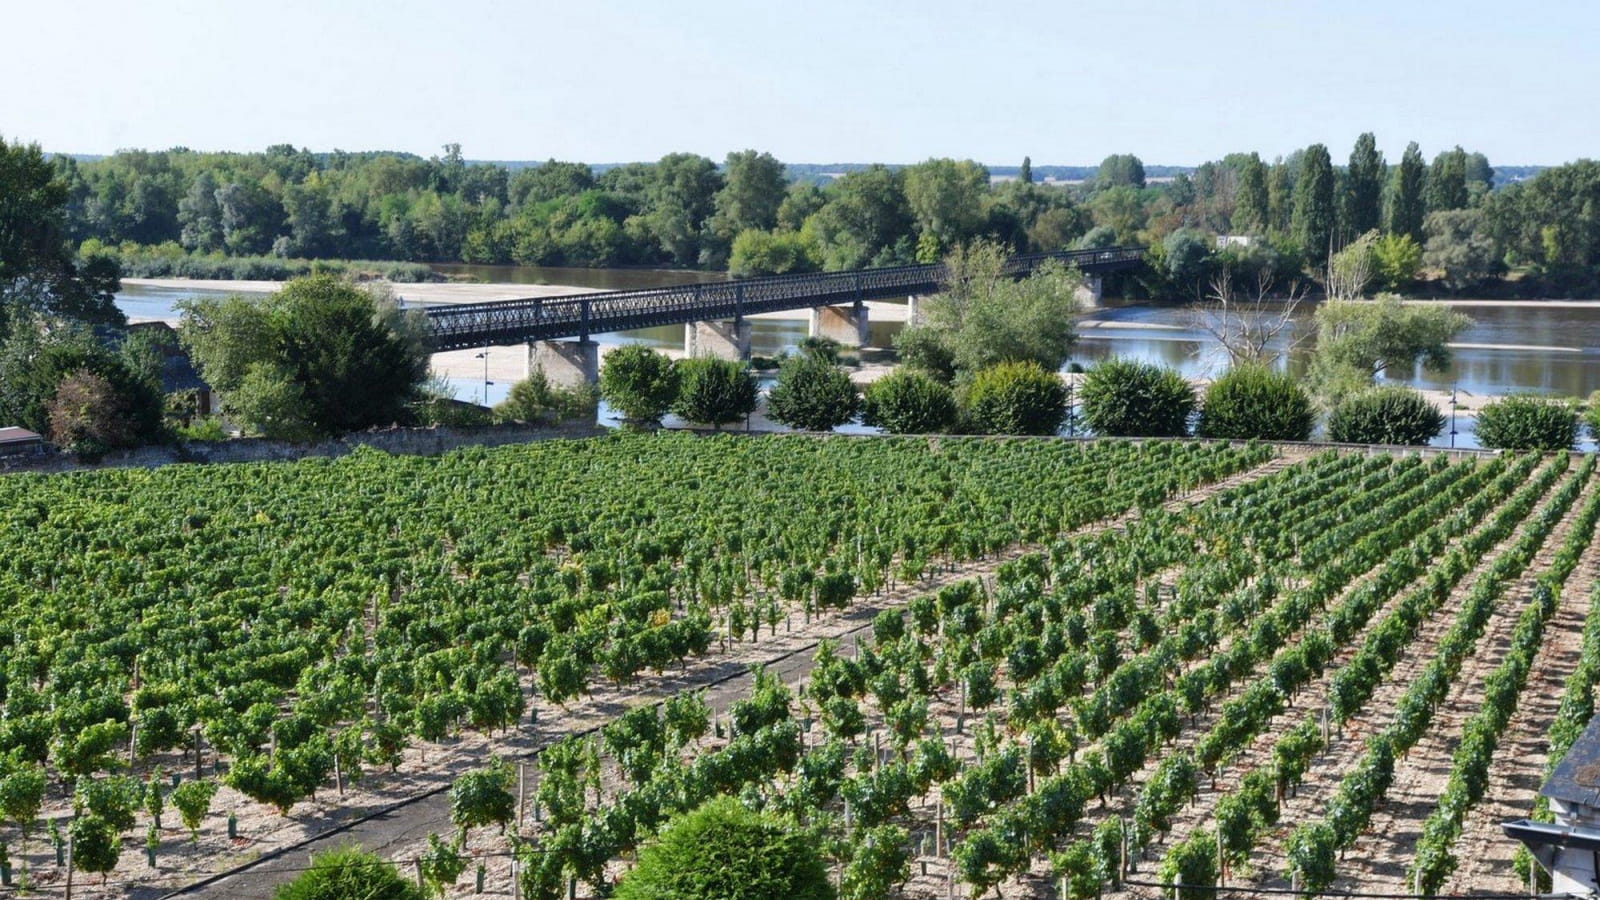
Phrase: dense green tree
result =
(34, 365)
(1252, 401)
(1363, 194)
(1186, 259)
(812, 394)
(800, 201)
(1120, 170)
(1404, 206)
(639, 382)
(907, 401)
(536, 401)
(37, 269)
(1025, 173)
(1314, 211)
(724, 850)
(1126, 398)
(714, 391)
(1280, 197)
(681, 194)
(96, 845)
(1385, 415)
(200, 215)
(1357, 341)
(985, 317)
(1018, 397)
(946, 202)
(1460, 247)
(483, 797)
(754, 187)
(1523, 422)
(773, 253)
(318, 357)
(551, 180)
(349, 873)
(1250, 212)
(1447, 182)
(1396, 260)
(866, 221)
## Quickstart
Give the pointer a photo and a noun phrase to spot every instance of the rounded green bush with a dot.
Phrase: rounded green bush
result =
(1385, 415)
(812, 394)
(1126, 398)
(723, 850)
(1521, 422)
(1255, 402)
(639, 382)
(713, 391)
(1015, 398)
(906, 401)
(349, 873)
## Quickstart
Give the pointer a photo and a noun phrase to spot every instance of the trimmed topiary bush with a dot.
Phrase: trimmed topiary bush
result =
(1253, 401)
(714, 391)
(1126, 398)
(906, 401)
(1015, 398)
(1521, 422)
(725, 851)
(1385, 415)
(812, 394)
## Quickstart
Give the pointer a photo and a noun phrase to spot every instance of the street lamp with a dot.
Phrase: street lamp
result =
(1453, 404)
(486, 382)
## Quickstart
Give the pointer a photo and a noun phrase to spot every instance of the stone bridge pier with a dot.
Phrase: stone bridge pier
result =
(729, 339)
(845, 324)
(1088, 293)
(566, 363)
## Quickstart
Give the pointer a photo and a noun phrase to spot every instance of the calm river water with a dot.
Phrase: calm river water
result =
(1530, 347)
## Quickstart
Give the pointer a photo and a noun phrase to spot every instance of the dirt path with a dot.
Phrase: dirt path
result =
(1484, 851)
(396, 821)
(1349, 743)
(1381, 856)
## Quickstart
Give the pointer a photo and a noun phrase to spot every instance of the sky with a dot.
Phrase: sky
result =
(1065, 82)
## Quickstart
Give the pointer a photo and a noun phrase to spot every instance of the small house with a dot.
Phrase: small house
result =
(20, 442)
(1569, 847)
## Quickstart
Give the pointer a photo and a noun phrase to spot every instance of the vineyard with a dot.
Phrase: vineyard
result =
(1095, 669)
(1299, 683)
(257, 633)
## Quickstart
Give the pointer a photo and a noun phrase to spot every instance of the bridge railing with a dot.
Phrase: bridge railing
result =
(581, 315)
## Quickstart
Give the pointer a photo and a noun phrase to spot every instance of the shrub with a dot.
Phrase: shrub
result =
(927, 350)
(1252, 401)
(907, 401)
(724, 850)
(1125, 398)
(483, 797)
(1015, 398)
(1522, 422)
(639, 383)
(812, 394)
(1385, 415)
(536, 401)
(349, 873)
(714, 391)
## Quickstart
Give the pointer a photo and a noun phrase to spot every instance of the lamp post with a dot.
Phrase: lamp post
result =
(1454, 390)
(486, 382)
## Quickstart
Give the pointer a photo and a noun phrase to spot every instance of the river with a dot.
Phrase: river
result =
(1546, 349)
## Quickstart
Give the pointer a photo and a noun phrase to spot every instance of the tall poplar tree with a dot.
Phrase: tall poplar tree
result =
(1025, 174)
(1250, 208)
(1363, 187)
(1313, 222)
(1447, 181)
(1280, 197)
(1404, 210)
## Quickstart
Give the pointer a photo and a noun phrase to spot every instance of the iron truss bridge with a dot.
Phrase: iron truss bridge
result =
(505, 322)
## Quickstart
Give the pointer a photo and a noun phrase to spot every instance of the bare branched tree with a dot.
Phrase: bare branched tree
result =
(1247, 324)
(1350, 269)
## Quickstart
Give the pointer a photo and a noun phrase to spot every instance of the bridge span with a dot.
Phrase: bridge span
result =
(714, 313)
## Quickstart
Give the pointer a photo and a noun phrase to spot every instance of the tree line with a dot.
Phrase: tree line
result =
(753, 214)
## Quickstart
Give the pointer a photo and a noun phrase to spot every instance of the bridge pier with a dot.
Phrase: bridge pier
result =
(845, 324)
(722, 340)
(566, 363)
(1088, 293)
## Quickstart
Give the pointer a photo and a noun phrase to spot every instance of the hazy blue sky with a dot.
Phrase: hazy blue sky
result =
(1175, 81)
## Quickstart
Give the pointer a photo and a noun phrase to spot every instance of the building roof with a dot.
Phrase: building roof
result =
(14, 435)
(178, 372)
(1577, 777)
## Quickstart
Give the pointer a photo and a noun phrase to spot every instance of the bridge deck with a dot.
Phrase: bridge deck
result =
(520, 321)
